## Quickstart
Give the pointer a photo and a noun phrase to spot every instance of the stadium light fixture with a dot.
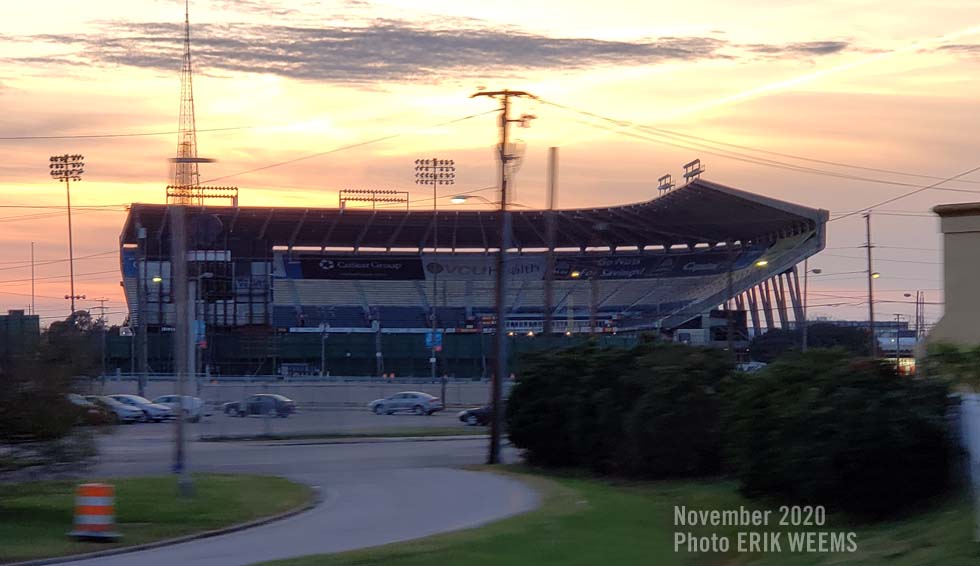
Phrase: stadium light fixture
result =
(66, 168)
(435, 172)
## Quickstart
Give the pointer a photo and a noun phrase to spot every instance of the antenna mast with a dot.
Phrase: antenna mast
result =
(186, 186)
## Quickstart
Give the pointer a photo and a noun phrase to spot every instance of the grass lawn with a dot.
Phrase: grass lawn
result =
(34, 517)
(382, 433)
(591, 522)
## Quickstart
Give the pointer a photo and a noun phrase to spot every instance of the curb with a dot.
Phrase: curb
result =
(315, 500)
(349, 440)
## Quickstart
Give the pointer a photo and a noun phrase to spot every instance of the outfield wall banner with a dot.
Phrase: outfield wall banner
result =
(637, 266)
(479, 267)
(361, 268)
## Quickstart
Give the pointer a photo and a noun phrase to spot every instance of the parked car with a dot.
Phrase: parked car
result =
(269, 404)
(193, 407)
(121, 412)
(418, 403)
(153, 411)
(89, 413)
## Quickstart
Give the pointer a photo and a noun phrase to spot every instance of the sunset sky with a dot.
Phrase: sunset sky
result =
(889, 88)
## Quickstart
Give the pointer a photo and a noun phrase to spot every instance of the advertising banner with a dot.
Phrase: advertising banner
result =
(479, 267)
(362, 268)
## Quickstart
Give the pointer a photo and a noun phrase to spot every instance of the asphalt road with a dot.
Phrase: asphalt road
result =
(336, 420)
(374, 494)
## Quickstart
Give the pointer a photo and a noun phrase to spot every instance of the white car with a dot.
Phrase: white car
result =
(413, 401)
(153, 412)
(123, 413)
(193, 407)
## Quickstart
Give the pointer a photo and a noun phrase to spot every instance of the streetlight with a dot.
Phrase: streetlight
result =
(66, 168)
(435, 172)
(806, 320)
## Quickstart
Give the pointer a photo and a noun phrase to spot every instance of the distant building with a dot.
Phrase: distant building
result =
(882, 327)
(960, 224)
(19, 333)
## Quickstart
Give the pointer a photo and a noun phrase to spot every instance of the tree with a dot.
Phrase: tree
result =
(74, 344)
(777, 342)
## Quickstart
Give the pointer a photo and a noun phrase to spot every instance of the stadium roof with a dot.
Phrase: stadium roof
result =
(699, 212)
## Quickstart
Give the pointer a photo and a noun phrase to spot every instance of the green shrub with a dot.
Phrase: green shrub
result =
(651, 411)
(826, 429)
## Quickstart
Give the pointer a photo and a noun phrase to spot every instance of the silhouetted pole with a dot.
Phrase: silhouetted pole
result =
(549, 270)
(179, 287)
(500, 371)
(871, 290)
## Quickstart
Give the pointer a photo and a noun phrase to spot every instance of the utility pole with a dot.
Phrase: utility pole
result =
(180, 288)
(550, 228)
(500, 371)
(898, 339)
(806, 318)
(141, 290)
(435, 172)
(102, 325)
(33, 310)
(871, 290)
(729, 303)
(67, 168)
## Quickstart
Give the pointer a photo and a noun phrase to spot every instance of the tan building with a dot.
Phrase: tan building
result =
(961, 272)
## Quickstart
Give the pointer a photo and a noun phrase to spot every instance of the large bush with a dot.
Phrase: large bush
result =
(651, 411)
(826, 429)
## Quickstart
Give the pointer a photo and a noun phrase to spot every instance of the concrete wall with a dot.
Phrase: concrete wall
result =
(961, 259)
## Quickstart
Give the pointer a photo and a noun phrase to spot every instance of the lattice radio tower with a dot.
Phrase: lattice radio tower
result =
(186, 188)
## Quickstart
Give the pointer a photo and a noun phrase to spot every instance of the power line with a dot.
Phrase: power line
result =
(49, 277)
(119, 135)
(736, 156)
(883, 259)
(22, 264)
(342, 148)
(908, 194)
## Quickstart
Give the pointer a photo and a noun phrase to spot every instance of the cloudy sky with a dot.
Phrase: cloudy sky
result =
(838, 104)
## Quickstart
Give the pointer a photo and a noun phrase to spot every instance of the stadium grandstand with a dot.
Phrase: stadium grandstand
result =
(343, 283)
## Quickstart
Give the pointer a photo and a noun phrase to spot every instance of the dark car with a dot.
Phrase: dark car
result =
(478, 416)
(268, 404)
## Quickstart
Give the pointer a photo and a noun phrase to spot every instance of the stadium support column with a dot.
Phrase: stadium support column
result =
(500, 371)
(549, 270)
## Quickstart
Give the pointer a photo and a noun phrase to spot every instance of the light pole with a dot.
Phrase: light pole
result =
(806, 320)
(500, 372)
(435, 172)
(184, 481)
(67, 168)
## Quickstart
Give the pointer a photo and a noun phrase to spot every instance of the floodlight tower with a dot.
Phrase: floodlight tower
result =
(186, 175)
(435, 172)
(67, 168)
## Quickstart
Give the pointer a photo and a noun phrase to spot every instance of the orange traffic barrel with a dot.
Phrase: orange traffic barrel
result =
(95, 511)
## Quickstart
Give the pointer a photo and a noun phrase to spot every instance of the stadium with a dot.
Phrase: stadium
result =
(352, 291)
